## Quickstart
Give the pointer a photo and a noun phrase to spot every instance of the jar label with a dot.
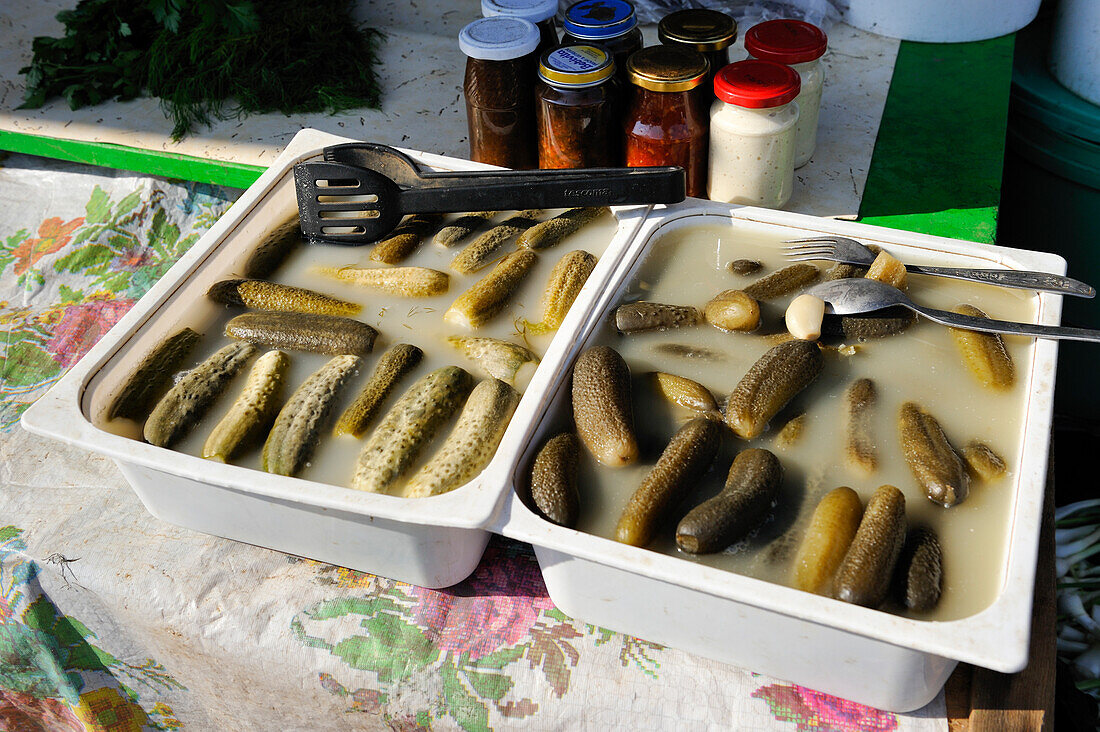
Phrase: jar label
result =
(576, 59)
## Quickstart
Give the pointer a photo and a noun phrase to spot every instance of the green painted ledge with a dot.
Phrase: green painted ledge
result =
(121, 157)
(936, 167)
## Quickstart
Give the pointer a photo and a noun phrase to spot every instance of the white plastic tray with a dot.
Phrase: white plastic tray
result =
(869, 656)
(432, 542)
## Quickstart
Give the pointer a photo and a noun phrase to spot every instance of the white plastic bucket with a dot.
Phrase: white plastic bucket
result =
(1075, 48)
(942, 21)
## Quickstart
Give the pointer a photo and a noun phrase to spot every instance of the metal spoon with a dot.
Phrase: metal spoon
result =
(861, 295)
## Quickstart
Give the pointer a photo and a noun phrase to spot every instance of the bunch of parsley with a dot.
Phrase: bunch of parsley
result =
(208, 59)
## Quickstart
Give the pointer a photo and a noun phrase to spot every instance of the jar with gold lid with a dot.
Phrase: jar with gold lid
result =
(663, 124)
(576, 109)
(709, 32)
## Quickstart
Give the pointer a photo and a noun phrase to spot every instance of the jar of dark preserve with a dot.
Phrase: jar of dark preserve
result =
(576, 109)
(709, 32)
(663, 123)
(499, 89)
(539, 12)
(608, 23)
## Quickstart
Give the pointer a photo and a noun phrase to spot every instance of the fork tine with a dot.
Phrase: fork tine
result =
(813, 240)
(804, 257)
(808, 252)
(809, 247)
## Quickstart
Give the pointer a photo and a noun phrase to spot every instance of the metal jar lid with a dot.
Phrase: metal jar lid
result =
(598, 20)
(700, 29)
(577, 65)
(667, 68)
(499, 38)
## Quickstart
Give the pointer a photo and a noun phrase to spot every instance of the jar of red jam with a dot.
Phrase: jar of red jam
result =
(709, 32)
(799, 45)
(608, 23)
(576, 109)
(539, 12)
(499, 90)
(663, 124)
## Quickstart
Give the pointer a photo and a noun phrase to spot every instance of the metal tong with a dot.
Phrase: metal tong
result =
(361, 191)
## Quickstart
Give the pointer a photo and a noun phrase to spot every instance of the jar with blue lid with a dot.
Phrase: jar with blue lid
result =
(501, 62)
(609, 23)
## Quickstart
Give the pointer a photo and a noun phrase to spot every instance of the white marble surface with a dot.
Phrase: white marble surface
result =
(422, 108)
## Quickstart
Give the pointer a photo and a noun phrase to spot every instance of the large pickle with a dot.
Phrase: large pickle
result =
(984, 354)
(684, 461)
(859, 440)
(491, 293)
(565, 283)
(783, 282)
(773, 380)
(297, 429)
(919, 573)
(329, 334)
(185, 403)
(864, 575)
(408, 426)
(264, 295)
(935, 464)
(641, 316)
(394, 364)
(602, 409)
(554, 480)
(471, 443)
(830, 533)
(152, 377)
(253, 411)
(751, 488)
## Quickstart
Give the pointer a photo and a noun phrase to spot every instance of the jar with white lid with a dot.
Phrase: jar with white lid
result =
(539, 12)
(799, 45)
(499, 86)
(752, 134)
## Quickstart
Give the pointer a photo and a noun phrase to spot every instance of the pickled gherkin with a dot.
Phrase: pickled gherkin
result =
(553, 482)
(773, 380)
(864, 575)
(750, 490)
(984, 354)
(830, 533)
(253, 411)
(602, 408)
(491, 293)
(391, 368)
(565, 283)
(263, 295)
(682, 463)
(934, 463)
(298, 427)
(152, 377)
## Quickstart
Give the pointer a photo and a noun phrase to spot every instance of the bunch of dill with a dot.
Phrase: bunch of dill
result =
(209, 59)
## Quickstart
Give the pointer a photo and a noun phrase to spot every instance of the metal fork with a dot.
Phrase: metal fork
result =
(849, 251)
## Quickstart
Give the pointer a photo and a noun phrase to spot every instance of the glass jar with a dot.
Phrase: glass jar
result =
(663, 124)
(800, 45)
(608, 23)
(576, 109)
(539, 12)
(709, 32)
(499, 90)
(752, 134)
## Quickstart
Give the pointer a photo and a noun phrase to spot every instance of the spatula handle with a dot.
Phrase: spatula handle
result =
(550, 189)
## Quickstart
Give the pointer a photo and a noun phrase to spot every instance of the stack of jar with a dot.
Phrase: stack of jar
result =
(599, 99)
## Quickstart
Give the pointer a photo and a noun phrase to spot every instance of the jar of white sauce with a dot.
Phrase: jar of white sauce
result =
(752, 134)
(800, 45)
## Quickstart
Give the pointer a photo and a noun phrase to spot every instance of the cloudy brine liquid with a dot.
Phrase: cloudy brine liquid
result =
(687, 266)
(418, 321)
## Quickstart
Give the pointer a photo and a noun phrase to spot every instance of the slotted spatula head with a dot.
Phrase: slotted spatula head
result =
(345, 204)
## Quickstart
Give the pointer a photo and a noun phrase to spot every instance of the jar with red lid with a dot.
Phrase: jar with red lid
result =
(799, 45)
(499, 90)
(576, 109)
(709, 32)
(663, 124)
(608, 23)
(539, 12)
(752, 134)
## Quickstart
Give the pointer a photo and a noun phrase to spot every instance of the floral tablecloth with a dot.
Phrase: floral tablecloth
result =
(113, 620)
